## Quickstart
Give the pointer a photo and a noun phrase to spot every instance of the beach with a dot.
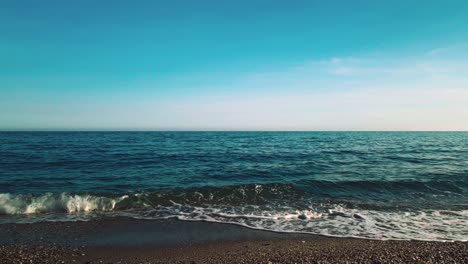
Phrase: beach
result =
(234, 132)
(233, 197)
(126, 240)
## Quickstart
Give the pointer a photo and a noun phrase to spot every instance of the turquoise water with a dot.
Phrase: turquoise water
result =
(381, 185)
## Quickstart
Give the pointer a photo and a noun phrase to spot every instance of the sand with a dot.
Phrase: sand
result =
(123, 240)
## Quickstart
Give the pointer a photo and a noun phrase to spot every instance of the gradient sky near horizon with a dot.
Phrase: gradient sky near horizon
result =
(233, 65)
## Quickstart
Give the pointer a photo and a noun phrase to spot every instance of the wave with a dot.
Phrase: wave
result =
(351, 194)
(430, 186)
(274, 207)
(58, 203)
(431, 225)
(11, 204)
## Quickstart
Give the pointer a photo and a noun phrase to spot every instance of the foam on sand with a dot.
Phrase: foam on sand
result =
(323, 219)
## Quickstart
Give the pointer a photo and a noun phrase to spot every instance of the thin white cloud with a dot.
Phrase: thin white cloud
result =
(448, 50)
(387, 108)
(418, 93)
(365, 93)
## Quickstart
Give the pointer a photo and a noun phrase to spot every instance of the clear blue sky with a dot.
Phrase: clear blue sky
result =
(234, 65)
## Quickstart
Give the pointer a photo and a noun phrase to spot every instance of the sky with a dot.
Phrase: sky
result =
(234, 65)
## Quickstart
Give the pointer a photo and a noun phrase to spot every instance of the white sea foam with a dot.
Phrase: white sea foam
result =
(329, 220)
(399, 225)
(50, 203)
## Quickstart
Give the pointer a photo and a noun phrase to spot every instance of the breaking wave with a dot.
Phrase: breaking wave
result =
(51, 203)
(274, 207)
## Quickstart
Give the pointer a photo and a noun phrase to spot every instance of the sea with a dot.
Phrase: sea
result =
(373, 185)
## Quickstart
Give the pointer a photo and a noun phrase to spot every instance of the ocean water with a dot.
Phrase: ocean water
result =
(377, 185)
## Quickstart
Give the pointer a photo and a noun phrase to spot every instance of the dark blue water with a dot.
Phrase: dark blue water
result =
(366, 184)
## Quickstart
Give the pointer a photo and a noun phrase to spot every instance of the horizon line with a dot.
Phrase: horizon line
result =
(216, 130)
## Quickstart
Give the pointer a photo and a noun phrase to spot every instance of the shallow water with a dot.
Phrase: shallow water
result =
(380, 185)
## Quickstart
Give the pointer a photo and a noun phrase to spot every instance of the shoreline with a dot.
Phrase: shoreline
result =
(130, 240)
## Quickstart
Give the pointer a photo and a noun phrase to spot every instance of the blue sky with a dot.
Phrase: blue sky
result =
(234, 65)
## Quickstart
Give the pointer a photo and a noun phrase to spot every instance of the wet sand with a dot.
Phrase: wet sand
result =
(123, 240)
